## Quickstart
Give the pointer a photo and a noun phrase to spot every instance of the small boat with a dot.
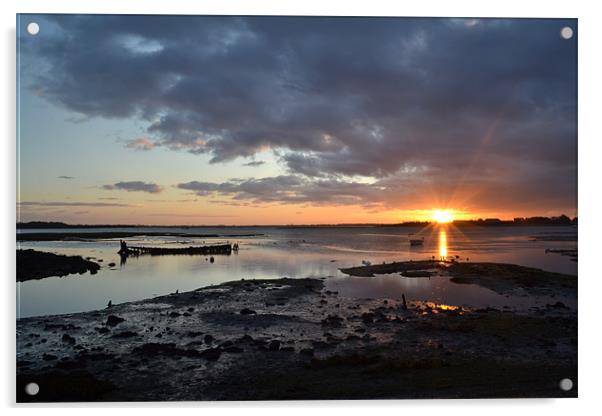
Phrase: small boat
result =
(416, 241)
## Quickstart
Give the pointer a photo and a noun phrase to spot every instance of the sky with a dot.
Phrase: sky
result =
(294, 120)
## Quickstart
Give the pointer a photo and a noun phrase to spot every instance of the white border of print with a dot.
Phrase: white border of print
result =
(590, 201)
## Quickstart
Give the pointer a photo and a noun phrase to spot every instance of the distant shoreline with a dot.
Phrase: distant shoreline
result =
(58, 236)
(561, 220)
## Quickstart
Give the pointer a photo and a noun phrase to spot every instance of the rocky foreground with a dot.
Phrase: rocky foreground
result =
(292, 339)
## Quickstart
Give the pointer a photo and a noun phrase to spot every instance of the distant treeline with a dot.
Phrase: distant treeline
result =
(51, 224)
(518, 221)
(560, 220)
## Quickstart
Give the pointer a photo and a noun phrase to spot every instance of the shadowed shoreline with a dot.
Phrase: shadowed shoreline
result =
(32, 264)
(499, 277)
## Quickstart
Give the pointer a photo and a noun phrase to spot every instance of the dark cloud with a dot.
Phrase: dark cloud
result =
(65, 177)
(197, 215)
(334, 97)
(69, 204)
(292, 189)
(254, 163)
(134, 186)
(414, 189)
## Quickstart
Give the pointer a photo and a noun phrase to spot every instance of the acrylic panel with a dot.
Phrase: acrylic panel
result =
(275, 208)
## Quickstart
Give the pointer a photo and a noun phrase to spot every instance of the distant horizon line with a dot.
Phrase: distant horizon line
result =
(515, 220)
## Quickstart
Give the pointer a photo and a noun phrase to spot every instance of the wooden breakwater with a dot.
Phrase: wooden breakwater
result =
(224, 249)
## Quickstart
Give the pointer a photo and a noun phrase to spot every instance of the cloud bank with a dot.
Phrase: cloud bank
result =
(134, 186)
(334, 98)
(69, 204)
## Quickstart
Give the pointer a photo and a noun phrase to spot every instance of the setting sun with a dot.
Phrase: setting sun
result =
(442, 216)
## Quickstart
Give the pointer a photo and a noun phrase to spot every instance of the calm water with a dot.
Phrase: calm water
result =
(295, 253)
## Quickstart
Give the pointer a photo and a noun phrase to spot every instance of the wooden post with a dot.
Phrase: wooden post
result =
(403, 299)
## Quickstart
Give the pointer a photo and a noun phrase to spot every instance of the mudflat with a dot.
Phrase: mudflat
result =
(292, 339)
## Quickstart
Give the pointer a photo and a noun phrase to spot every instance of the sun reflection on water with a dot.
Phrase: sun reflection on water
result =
(442, 244)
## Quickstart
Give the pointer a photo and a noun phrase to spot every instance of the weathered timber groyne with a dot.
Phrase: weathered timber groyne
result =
(224, 249)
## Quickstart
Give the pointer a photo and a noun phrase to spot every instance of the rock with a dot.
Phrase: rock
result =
(208, 339)
(368, 318)
(321, 345)
(125, 334)
(100, 356)
(174, 314)
(247, 311)
(274, 345)
(307, 351)
(152, 349)
(211, 354)
(233, 350)
(49, 357)
(169, 349)
(333, 321)
(558, 305)
(68, 339)
(113, 320)
(111, 264)
(102, 330)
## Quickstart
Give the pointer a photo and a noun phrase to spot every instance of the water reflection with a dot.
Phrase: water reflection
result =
(295, 253)
(436, 293)
(442, 244)
(123, 258)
